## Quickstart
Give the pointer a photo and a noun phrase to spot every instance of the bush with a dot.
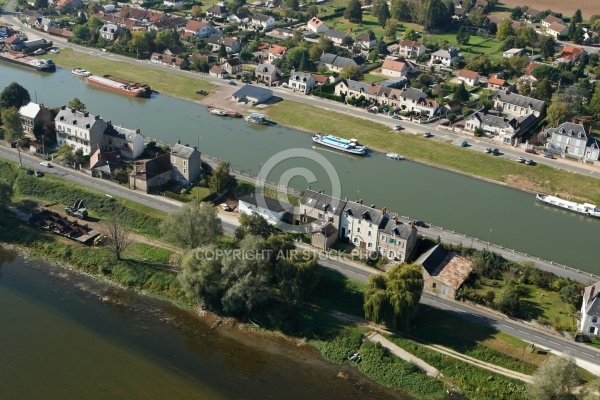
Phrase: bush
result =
(344, 345)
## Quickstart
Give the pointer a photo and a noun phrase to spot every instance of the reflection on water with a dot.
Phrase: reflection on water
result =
(65, 335)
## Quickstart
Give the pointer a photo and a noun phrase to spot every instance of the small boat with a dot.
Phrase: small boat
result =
(348, 146)
(80, 72)
(256, 118)
(394, 156)
(216, 111)
(581, 208)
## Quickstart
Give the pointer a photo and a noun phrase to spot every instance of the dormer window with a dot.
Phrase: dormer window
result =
(74, 122)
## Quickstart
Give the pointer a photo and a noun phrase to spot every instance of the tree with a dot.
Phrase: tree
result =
(166, 39)
(298, 276)
(436, 15)
(526, 36)
(291, 4)
(477, 17)
(505, 29)
(117, 236)
(253, 224)
(461, 93)
(594, 105)
(591, 390)
(76, 104)
(13, 130)
(410, 34)
(555, 379)
(201, 278)
(139, 42)
(400, 10)
(82, 33)
(14, 95)
(463, 36)
(353, 12)
(219, 179)
(585, 90)
(196, 11)
(195, 224)
(393, 298)
(547, 46)
(94, 23)
(222, 51)
(547, 72)
(312, 11)
(570, 294)
(509, 301)
(542, 91)
(120, 175)
(40, 4)
(351, 72)
(557, 113)
(578, 35)
(577, 17)
(391, 26)
(381, 11)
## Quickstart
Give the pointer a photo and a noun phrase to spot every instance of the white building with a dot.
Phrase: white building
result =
(443, 57)
(516, 105)
(263, 21)
(272, 210)
(468, 77)
(411, 48)
(80, 130)
(572, 141)
(316, 25)
(302, 82)
(394, 68)
(589, 323)
(360, 225)
(128, 143)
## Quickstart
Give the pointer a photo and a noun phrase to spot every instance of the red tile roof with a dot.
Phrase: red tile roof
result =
(496, 81)
(394, 65)
(465, 73)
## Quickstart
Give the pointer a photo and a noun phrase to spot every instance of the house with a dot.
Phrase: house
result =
(316, 25)
(360, 225)
(110, 32)
(217, 72)
(266, 72)
(232, 66)
(252, 94)
(337, 37)
(170, 61)
(589, 319)
(459, 13)
(337, 63)
(127, 143)
(532, 14)
(44, 23)
(590, 37)
(186, 164)
(80, 130)
(397, 241)
(263, 21)
(199, 28)
(551, 19)
(62, 33)
(316, 205)
(173, 3)
(322, 235)
(151, 174)
(453, 106)
(103, 163)
(443, 57)
(274, 211)
(516, 105)
(570, 54)
(302, 82)
(512, 52)
(232, 44)
(67, 6)
(348, 88)
(34, 115)
(494, 125)
(444, 272)
(480, 4)
(427, 107)
(497, 83)
(217, 11)
(239, 17)
(322, 79)
(276, 52)
(394, 68)
(366, 40)
(281, 33)
(572, 141)
(557, 30)
(407, 98)
(468, 77)
(411, 48)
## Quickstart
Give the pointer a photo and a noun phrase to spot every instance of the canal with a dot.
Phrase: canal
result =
(507, 217)
(67, 336)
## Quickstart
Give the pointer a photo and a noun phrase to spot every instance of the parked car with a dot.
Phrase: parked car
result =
(29, 171)
(39, 173)
(398, 128)
(246, 80)
(488, 150)
(496, 152)
(428, 134)
(521, 160)
(46, 164)
(530, 151)
(232, 82)
(549, 155)
(225, 206)
(464, 143)
(39, 52)
(421, 224)
(530, 162)
(55, 51)
(395, 116)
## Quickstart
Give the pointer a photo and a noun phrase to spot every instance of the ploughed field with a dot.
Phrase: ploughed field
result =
(567, 8)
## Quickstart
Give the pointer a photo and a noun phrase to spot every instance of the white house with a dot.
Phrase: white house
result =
(128, 143)
(396, 241)
(272, 210)
(337, 63)
(217, 11)
(443, 57)
(80, 130)
(394, 68)
(110, 32)
(302, 81)
(411, 48)
(173, 3)
(32, 115)
(239, 17)
(276, 52)
(468, 77)
(253, 94)
(516, 105)
(263, 21)
(491, 124)
(589, 322)
(512, 52)
(366, 40)
(557, 30)
(316, 25)
(551, 19)
(337, 37)
(199, 28)
(572, 141)
(360, 225)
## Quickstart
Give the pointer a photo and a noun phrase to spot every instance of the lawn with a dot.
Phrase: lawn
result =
(476, 47)
(177, 85)
(369, 22)
(539, 178)
(370, 78)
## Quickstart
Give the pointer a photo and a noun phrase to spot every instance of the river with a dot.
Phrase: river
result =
(505, 216)
(66, 335)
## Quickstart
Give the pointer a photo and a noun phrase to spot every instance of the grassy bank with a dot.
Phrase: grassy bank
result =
(176, 85)
(539, 178)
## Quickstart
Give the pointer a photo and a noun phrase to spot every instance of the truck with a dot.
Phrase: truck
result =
(76, 209)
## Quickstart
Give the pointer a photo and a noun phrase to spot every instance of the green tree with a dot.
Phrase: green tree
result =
(558, 112)
(591, 390)
(14, 95)
(547, 46)
(222, 51)
(436, 15)
(253, 224)
(546, 71)
(505, 29)
(585, 90)
(381, 11)
(391, 26)
(351, 72)
(120, 175)
(400, 10)
(312, 11)
(13, 130)
(461, 93)
(594, 105)
(65, 153)
(393, 298)
(481, 64)
(555, 379)
(543, 91)
(410, 34)
(353, 12)
(299, 274)
(219, 179)
(477, 17)
(139, 42)
(463, 36)
(201, 278)
(570, 294)
(197, 11)
(195, 224)
(82, 33)
(526, 36)
(94, 23)
(578, 35)
(166, 39)
(41, 4)
(509, 301)
(76, 104)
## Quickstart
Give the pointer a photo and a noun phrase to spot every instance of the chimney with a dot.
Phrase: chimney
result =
(384, 210)
(63, 107)
(320, 191)
(96, 117)
(73, 111)
(592, 293)
(573, 121)
(195, 148)
(360, 201)
(308, 187)
(86, 114)
(396, 218)
(346, 199)
(137, 131)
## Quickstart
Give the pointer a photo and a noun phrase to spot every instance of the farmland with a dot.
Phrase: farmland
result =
(587, 7)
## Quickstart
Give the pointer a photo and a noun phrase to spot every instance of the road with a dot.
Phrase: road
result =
(587, 357)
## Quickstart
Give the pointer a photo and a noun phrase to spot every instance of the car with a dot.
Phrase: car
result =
(427, 134)
(549, 155)
(39, 173)
(29, 171)
(398, 128)
(225, 206)
(395, 116)
(39, 52)
(246, 80)
(488, 150)
(421, 224)
(496, 152)
(104, 50)
(46, 164)
(464, 143)
(284, 84)
(55, 51)
(521, 160)
(231, 82)
(530, 162)
(530, 151)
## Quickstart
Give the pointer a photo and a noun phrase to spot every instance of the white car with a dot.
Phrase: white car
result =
(55, 51)
(225, 207)
(46, 164)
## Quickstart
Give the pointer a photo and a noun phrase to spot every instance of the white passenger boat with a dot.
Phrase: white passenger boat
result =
(216, 111)
(80, 72)
(349, 146)
(394, 156)
(580, 208)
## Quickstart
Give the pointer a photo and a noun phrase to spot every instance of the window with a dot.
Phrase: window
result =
(358, 229)
(592, 329)
(594, 319)
(320, 215)
(184, 171)
(369, 245)
(185, 163)
(382, 237)
(433, 285)
(355, 240)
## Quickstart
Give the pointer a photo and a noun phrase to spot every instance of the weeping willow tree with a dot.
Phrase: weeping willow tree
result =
(393, 298)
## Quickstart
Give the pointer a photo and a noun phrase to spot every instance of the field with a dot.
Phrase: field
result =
(587, 7)
(176, 85)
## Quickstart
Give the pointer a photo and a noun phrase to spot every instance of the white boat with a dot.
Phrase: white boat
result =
(80, 72)
(256, 118)
(348, 146)
(394, 156)
(216, 111)
(580, 208)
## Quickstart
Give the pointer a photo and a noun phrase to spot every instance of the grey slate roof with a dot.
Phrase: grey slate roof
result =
(357, 86)
(251, 91)
(571, 129)
(271, 204)
(521, 101)
(120, 132)
(412, 94)
(327, 58)
(182, 151)
(261, 18)
(491, 120)
(78, 118)
(591, 299)
(366, 37)
(321, 201)
(431, 259)
(334, 33)
(340, 62)
(265, 68)
(396, 228)
(366, 213)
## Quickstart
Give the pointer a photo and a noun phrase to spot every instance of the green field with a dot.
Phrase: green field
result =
(476, 47)
(176, 85)
(369, 78)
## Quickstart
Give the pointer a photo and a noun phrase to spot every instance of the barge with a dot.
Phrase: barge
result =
(348, 146)
(123, 86)
(580, 208)
(13, 57)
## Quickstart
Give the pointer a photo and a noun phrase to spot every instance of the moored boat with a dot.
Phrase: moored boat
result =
(256, 118)
(45, 65)
(345, 145)
(120, 85)
(580, 208)
(394, 156)
(216, 111)
(80, 72)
